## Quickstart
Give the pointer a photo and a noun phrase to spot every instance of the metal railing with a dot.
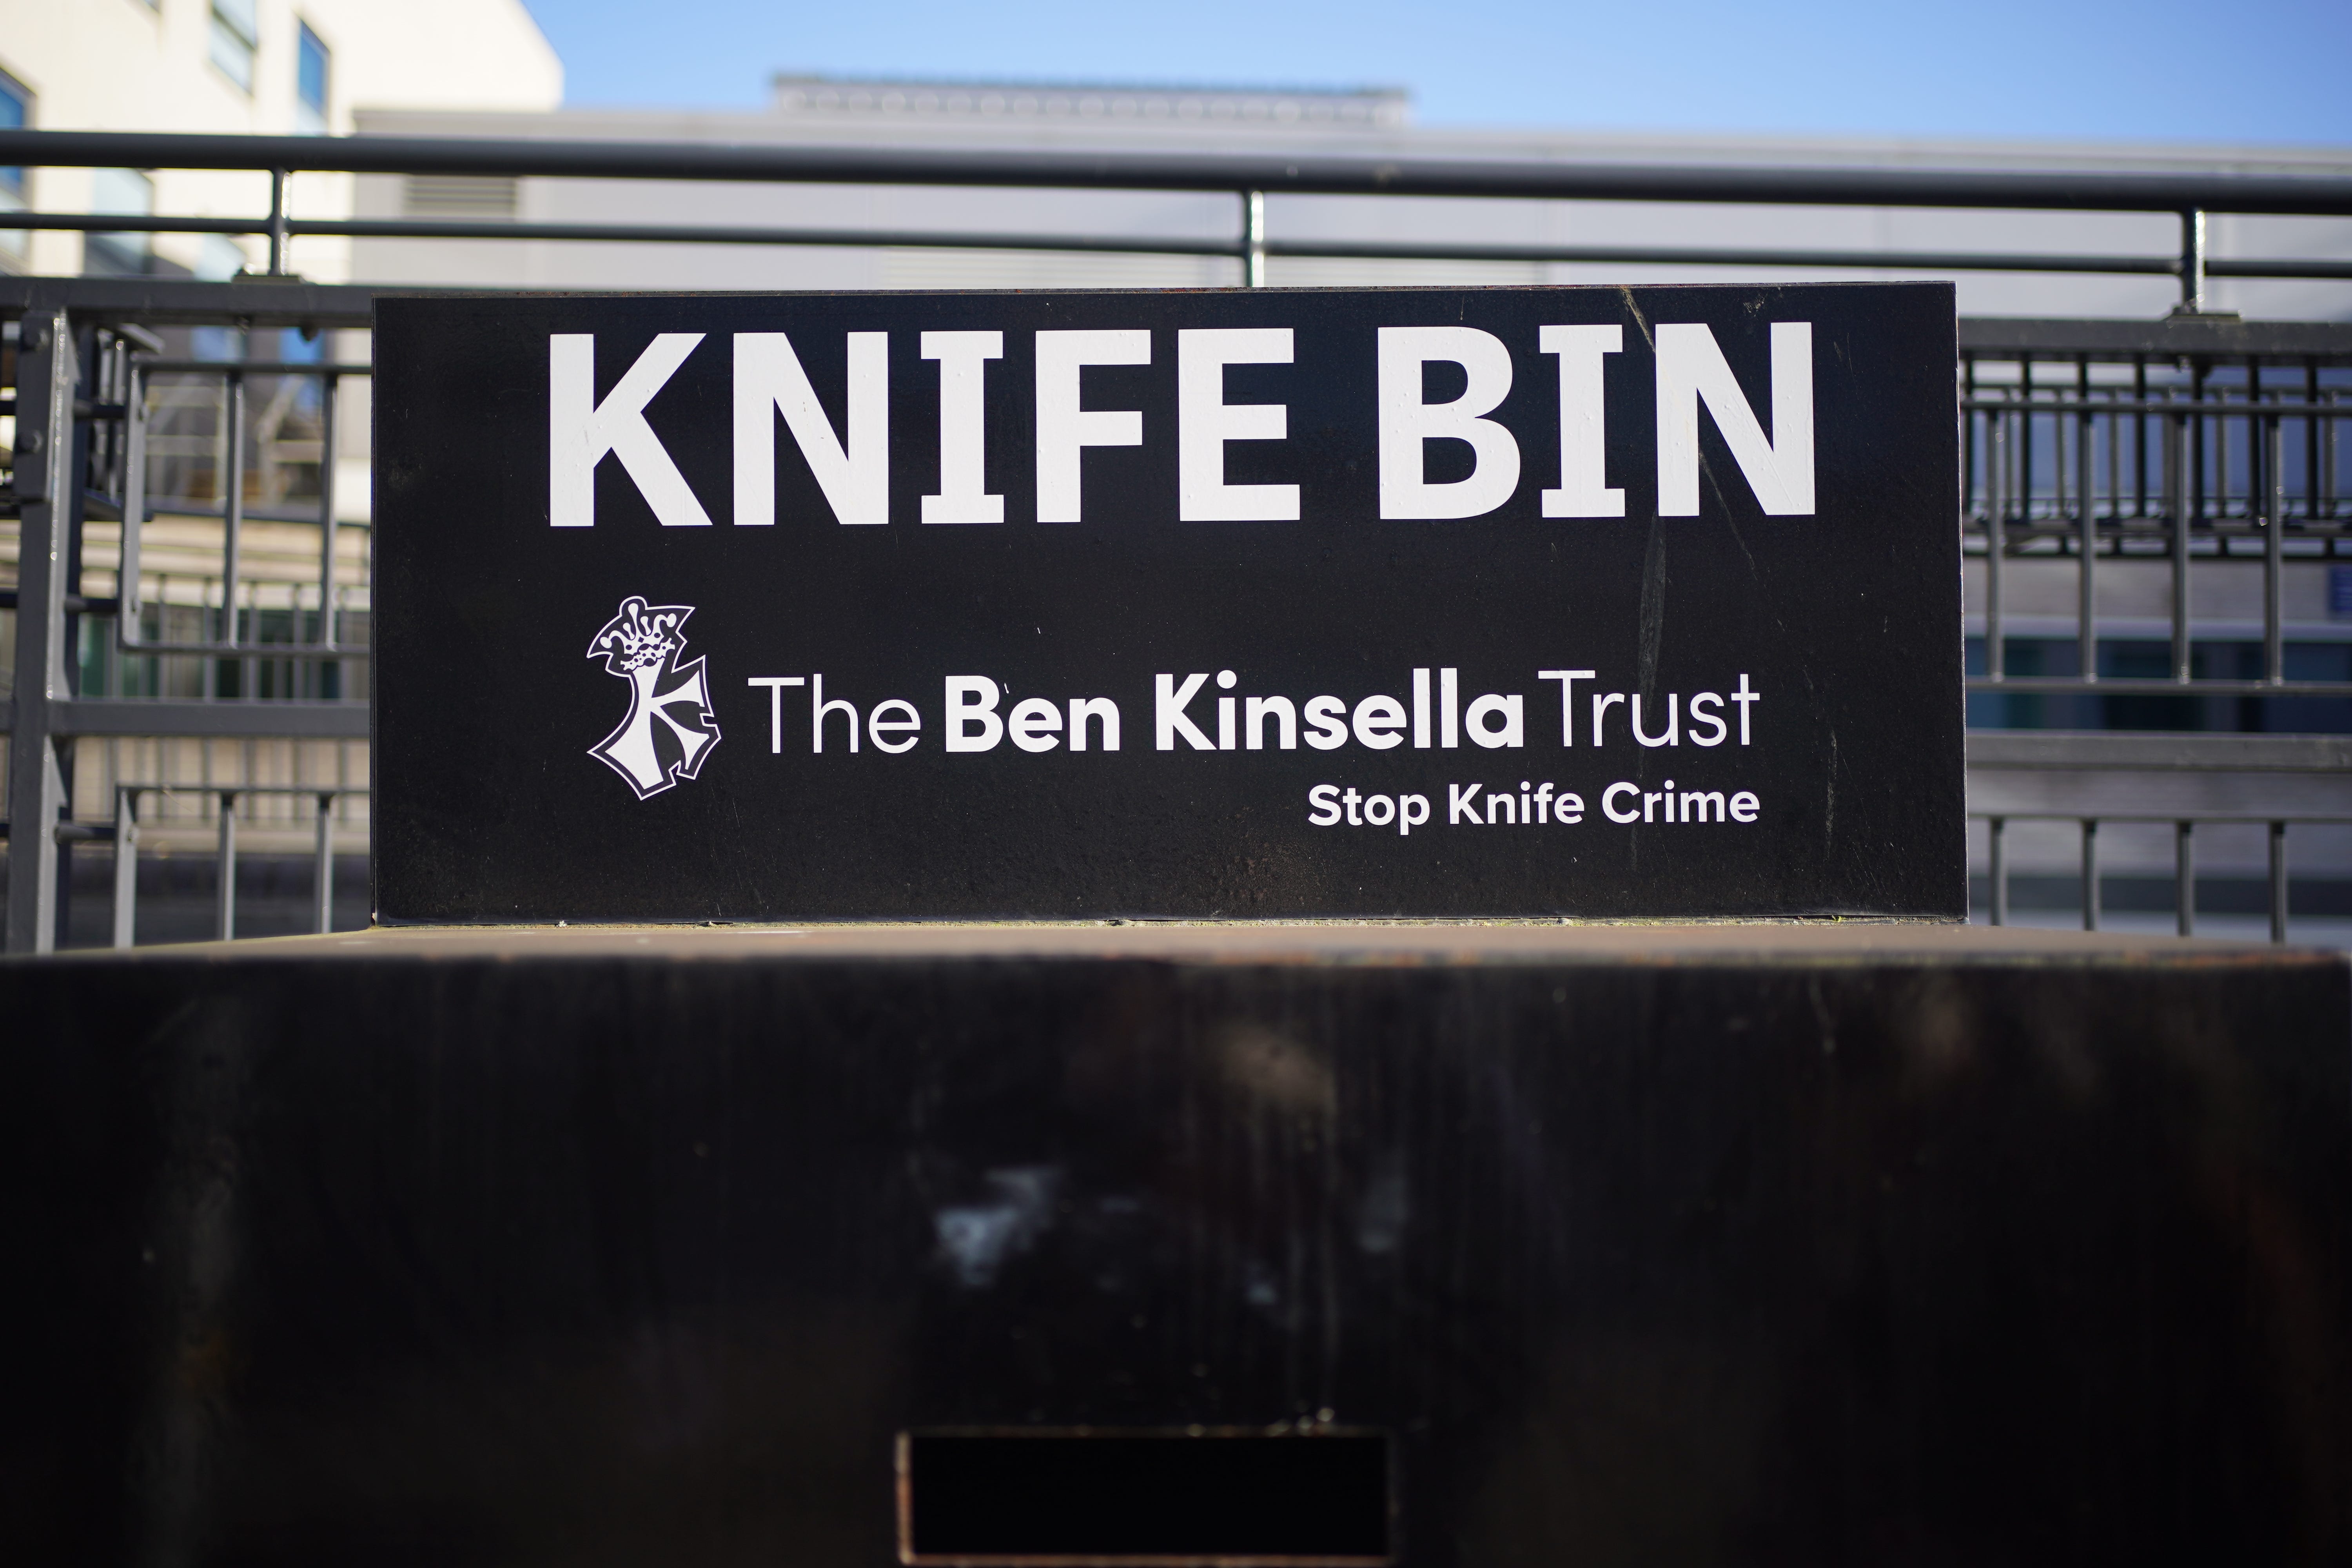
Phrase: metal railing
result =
(2184, 863)
(2103, 448)
(1250, 177)
(2200, 443)
(124, 833)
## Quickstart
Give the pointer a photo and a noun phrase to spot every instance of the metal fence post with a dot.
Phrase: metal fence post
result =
(1998, 895)
(2086, 528)
(324, 886)
(1996, 542)
(126, 867)
(224, 909)
(2278, 881)
(2090, 874)
(279, 234)
(2267, 446)
(2192, 262)
(2184, 876)
(46, 378)
(1253, 239)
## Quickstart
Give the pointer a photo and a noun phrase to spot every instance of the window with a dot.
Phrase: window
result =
(131, 193)
(15, 114)
(309, 84)
(237, 33)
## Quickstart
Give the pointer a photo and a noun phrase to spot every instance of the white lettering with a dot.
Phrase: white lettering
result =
(963, 427)
(1033, 723)
(1407, 423)
(1065, 430)
(880, 726)
(1103, 711)
(1567, 680)
(1206, 421)
(581, 430)
(775, 684)
(1672, 735)
(819, 708)
(1691, 368)
(1412, 810)
(1701, 700)
(1584, 445)
(972, 723)
(855, 475)
(1327, 724)
(1513, 710)
(1377, 722)
(1168, 720)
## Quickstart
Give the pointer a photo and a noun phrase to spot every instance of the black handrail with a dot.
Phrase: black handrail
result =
(1324, 173)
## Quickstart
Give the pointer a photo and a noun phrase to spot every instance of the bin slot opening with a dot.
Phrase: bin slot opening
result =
(1100, 1497)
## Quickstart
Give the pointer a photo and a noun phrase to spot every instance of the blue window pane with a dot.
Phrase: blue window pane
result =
(12, 118)
(311, 83)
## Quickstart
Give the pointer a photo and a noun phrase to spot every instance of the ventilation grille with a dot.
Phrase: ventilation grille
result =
(459, 195)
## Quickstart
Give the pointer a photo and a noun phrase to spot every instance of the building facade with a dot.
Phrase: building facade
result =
(267, 66)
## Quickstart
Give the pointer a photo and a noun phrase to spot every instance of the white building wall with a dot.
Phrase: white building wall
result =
(133, 64)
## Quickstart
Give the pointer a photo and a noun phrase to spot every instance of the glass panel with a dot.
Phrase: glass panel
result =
(235, 32)
(125, 191)
(311, 85)
(15, 113)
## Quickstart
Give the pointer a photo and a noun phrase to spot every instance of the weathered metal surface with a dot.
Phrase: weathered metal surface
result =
(1728, 1245)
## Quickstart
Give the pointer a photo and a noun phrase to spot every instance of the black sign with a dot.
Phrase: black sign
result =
(1510, 602)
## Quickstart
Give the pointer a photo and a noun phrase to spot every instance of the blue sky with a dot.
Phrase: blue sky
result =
(2258, 71)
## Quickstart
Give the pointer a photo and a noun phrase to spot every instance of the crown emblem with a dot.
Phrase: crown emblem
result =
(669, 729)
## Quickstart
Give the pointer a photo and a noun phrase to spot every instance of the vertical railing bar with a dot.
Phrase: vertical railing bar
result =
(2025, 439)
(134, 508)
(1996, 541)
(2116, 466)
(2311, 439)
(2090, 873)
(233, 508)
(2278, 881)
(2139, 436)
(328, 385)
(1968, 435)
(1998, 894)
(279, 238)
(2192, 495)
(225, 907)
(2176, 459)
(1253, 247)
(2192, 262)
(2266, 432)
(2087, 610)
(323, 885)
(2331, 429)
(126, 866)
(2184, 877)
(2220, 496)
(2060, 494)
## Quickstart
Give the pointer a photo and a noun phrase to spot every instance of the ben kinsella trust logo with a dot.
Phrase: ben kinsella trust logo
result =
(669, 729)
